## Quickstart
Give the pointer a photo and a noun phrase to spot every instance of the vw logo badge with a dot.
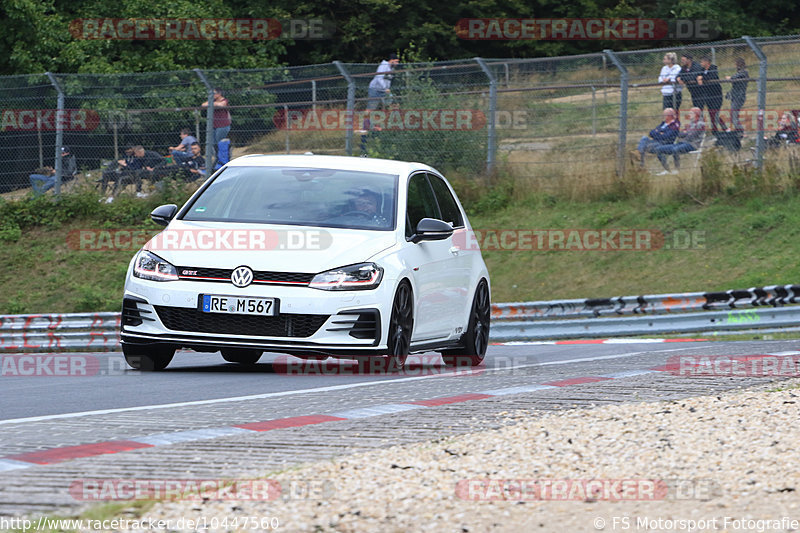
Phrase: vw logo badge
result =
(242, 276)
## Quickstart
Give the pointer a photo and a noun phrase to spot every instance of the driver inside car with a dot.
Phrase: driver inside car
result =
(367, 206)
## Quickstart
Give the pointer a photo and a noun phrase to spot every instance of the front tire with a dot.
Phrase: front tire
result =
(242, 356)
(476, 339)
(148, 357)
(401, 325)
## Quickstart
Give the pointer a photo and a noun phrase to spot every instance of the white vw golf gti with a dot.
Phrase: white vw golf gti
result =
(313, 256)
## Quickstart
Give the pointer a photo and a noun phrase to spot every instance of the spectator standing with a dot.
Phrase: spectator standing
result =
(670, 89)
(738, 94)
(222, 116)
(380, 86)
(183, 150)
(708, 80)
(688, 78)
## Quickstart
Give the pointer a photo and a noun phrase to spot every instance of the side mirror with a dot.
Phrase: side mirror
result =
(432, 229)
(164, 213)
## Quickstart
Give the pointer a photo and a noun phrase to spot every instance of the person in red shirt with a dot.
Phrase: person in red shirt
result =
(222, 116)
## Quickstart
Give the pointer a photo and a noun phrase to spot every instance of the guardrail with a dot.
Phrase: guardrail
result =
(655, 314)
(59, 332)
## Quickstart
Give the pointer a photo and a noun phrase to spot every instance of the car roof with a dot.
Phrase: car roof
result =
(364, 164)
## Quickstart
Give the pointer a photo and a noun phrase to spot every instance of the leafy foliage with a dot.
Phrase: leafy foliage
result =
(35, 37)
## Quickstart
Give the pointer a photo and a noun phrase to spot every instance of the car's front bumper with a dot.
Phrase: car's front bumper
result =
(309, 321)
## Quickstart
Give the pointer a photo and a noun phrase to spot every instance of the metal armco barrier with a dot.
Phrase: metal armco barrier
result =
(558, 319)
(652, 304)
(59, 332)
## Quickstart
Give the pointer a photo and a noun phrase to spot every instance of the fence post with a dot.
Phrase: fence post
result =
(314, 95)
(492, 138)
(623, 111)
(59, 132)
(351, 104)
(288, 126)
(210, 151)
(594, 111)
(762, 97)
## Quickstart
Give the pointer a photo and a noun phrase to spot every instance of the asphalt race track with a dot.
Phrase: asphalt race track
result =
(205, 417)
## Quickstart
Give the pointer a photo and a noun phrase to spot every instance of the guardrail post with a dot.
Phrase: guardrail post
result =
(211, 152)
(59, 132)
(762, 98)
(623, 111)
(351, 105)
(492, 137)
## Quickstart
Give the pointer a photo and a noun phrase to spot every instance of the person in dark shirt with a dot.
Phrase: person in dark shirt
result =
(138, 164)
(663, 134)
(738, 94)
(190, 169)
(787, 133)
(44, 178)
(688, 78)
(708, 80)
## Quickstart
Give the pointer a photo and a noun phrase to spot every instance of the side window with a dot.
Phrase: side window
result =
(447, 204)
(421, 202)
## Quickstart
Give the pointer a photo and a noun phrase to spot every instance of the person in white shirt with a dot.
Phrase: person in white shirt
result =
(380, 86)
(670, 89)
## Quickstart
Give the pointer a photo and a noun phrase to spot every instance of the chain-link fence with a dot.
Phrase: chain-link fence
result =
(556, 120)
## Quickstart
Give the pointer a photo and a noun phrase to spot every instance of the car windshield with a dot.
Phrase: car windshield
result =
(299, 196)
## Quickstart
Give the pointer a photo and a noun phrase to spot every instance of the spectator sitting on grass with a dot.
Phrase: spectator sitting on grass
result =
(183, 151)
(663, 134)
(690, 140)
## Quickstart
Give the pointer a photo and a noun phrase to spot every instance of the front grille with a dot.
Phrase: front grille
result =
(259, 276)
(284, 325)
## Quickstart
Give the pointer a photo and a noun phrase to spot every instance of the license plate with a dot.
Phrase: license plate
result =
(237, 305)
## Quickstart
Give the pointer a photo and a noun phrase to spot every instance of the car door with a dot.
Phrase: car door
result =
(459, 273)
(431, 263)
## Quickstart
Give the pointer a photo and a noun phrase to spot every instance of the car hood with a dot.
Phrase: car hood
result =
(279, 248)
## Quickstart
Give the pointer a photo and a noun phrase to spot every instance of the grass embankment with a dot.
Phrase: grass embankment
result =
(744, 243)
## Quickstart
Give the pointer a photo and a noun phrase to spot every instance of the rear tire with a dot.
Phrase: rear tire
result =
(242, 356)
(401, 325)
(476, 338)
(148, 357)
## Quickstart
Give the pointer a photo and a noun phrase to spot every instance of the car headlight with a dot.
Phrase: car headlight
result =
(150, 266)
(349, 278)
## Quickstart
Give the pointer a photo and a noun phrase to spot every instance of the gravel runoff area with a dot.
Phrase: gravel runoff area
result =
(710, 463)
